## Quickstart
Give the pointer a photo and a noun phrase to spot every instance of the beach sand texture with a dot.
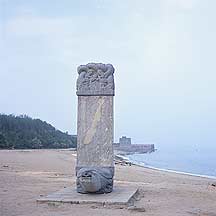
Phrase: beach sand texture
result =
(26, 175)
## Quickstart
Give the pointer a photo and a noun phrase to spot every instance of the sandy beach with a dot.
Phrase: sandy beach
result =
(26, 175)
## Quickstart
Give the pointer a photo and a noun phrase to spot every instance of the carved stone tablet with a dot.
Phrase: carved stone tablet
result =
(95, 79)
(95, 157)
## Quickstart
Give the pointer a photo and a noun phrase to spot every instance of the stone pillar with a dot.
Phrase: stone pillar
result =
(95, 157)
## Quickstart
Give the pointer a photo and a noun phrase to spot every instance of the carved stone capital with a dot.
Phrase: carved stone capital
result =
(95, 79)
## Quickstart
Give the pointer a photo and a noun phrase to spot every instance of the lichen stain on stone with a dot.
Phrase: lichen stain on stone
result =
(91, 131)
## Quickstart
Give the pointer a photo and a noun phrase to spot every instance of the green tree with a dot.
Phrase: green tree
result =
(21, 132)
(3, 142)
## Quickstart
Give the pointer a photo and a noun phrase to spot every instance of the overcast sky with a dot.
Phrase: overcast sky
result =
(163, 52)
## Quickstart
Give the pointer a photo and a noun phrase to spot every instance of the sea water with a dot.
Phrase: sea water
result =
(192, 161)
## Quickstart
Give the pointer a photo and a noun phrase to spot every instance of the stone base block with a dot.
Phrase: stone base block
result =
(121, 195)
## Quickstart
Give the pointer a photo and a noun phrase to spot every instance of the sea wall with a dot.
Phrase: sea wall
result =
(135, 148)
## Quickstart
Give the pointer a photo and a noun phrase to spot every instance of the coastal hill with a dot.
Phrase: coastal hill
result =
(23, 132)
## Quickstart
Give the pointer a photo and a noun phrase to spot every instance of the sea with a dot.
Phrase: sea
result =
(192, 161)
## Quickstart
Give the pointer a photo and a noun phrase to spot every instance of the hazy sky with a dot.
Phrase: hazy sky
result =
(163, 52)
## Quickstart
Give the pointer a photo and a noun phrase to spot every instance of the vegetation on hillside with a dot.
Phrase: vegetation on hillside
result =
(23, 132)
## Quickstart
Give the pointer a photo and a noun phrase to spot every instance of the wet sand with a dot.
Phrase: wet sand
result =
(28, 174)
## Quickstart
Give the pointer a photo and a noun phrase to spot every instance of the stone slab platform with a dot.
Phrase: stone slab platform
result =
(121, 195)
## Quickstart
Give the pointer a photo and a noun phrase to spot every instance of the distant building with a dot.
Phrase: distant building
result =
(126, 146)
(125, 141)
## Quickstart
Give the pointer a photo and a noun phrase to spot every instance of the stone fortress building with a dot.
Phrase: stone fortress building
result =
(126, 146)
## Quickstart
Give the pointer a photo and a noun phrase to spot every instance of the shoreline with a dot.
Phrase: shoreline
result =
(121, 158)
(30, 174)
(142, 164)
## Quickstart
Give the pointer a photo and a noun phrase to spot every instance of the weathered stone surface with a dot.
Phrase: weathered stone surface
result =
(95, 157)
(95, 131)
(95, 79)
(122, 195)
(95, 179)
